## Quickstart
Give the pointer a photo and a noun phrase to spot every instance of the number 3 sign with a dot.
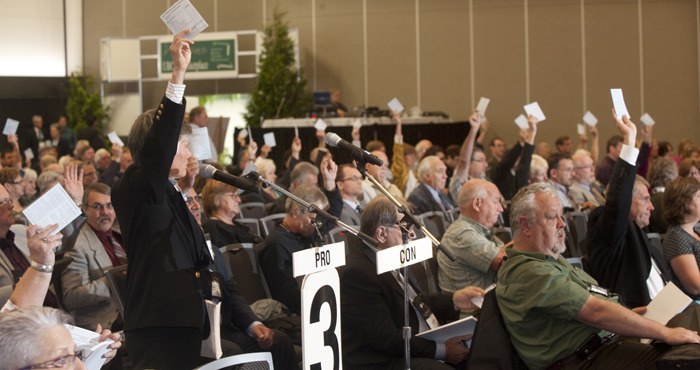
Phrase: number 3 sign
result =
(320, 307)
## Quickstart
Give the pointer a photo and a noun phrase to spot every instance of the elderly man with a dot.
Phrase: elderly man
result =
(305, 173)
(560, 174)
(108, 164)
(372, 305)
(429, 194)
(556, 314)
(380, 173)
(97, 249)
(619, 254)
(478, 254)
(349, 182)
(583, 189)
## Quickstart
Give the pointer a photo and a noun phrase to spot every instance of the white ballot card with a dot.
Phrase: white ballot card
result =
(54, 207)
(320, 125)
(269, 139)
(581, 129)
(619, 103)
(533, 109)
(483, 104)
(521, 121)
(647, 120)
(296, 131)
(479, 301)
(395, 105)
(199, 143)
(10, 127)
(115, 139)
(590, 119)
(183, 15)
(29, 154)
(357, 124)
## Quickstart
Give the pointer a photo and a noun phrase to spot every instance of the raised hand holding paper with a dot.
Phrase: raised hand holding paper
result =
(483, 104)
(357, 124)
(199, 143)
(183, 15)
(590, 119)
(269, 139)
(29, 154)
(114, 138)
(395, 105)
(320, 125)
(581, 129)
(619, 103)
(10, 127)
(296, 131)
(521, 121)
(533, 109)
(647, 120)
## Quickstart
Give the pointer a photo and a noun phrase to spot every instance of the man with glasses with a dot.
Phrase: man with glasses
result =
(584, 191)
(560, 174)
(349, 182)
(97, 249)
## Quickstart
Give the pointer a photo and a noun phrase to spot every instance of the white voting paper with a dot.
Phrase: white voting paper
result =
(619, 103)
(318, 259)
(114, 138)
(590, 119)
(647, 120)
(88, 342)
(581, 129)
(29, 154)
(269, 139)
(320, 125)
(457, 328)
(54, 207)
(404, 255)
(395, 105)
(668, 303)
(357, 124)
(10, 127)
(533, 109)
(521, 121)
(483, 104)
(296, 131)
(199, 143)
(183, 15)
(479, 301)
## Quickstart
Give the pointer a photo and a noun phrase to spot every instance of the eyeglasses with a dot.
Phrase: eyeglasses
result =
(100, 206)
(190, 200)
(352, 178)
(403, 226)
(60, 362)
(481, 160)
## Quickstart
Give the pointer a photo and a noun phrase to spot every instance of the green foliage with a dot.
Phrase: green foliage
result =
(83, 105)
(281, 89)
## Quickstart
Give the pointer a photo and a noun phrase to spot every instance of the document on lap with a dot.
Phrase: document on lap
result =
(457, 328)
(54, 207)
(668, 303)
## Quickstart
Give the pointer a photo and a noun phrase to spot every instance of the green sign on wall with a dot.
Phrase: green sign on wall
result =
(207, 56)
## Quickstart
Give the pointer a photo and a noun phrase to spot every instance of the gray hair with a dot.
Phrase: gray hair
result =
(662, 171)
(29, 174)
(101, 153)
(47, 179)
(263, 165)
(300, 170)
(21, 331)
(307, 193)
(538, 163)
(426, 166)
(380, 211)
(524, 204)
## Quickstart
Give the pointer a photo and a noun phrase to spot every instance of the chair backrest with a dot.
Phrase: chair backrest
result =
(254, 210)
(58, 268)
(116, 279)
(434, 222)
(503, 233)
(578, 226)
(455, 214)
(268, 223)
(247, 361)
(252, 223)
(247, 275)
(337, 235)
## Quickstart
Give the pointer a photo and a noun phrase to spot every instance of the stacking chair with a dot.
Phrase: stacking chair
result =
(434, 222)
(247, 275)
(246, 361)
(268, 223)
(578, 227)
(254, 210)
(252, 223)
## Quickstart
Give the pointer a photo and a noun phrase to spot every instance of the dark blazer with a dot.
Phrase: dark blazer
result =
(619, 254)
(508, 182)
(165, 247)
(372, 313)
(423, 201)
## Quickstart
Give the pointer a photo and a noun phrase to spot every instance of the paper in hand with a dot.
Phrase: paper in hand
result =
(590, 119)
(10, 127)
(581, 129)
(521, 121)
(647, 120)
(199, 143)
(357, 124)
(29, 154)
(183, 15)
(483, 104)
(269, 139)
(395, 105)
(320, 125)
(619, 103)
(54, 207)
(533, 109)
(115, 139)
(296, 131)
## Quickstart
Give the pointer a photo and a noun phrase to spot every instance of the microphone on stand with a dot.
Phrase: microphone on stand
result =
(244, 183)
(357, 154)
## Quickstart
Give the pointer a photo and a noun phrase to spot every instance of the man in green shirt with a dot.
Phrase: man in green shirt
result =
(555, 313)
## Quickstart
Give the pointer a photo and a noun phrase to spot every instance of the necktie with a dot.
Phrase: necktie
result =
(359, 209)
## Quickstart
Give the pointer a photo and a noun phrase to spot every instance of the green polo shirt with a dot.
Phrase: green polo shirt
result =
(539, 297)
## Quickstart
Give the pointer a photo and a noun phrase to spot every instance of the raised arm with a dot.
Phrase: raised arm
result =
(465, 153)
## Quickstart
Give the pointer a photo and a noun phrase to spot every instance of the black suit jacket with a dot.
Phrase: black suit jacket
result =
(619, 254)
(372, 313)
(165, 247)
(423, 201)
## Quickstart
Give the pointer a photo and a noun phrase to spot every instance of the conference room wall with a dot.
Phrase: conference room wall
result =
(444, 54)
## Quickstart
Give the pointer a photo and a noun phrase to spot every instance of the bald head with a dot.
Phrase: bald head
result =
(480, 200)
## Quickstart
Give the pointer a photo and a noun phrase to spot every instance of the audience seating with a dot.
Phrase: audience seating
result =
(337, 235)
(246, 361)
(247, 276)
(434, 222)
(252, 223)
(268, 222)
(116, 279)
(58, 268)
(254, 210)
(578, 226)
(455, 214)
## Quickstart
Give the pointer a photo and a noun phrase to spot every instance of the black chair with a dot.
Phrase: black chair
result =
(58, 268)
(434, 222)
(254, 210)
(247, 275)
(268, 223)
(116, 279)
(338, 234)
(578, 227)
(252, 223)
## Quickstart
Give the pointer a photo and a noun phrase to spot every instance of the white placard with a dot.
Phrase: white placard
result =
(296, 131)
(395, 105)
(318, 259)
(183, 15)
(199, 143)
(590, 119)
(115, 139)
(533, 109)
(28, 153)
(10, 127)
(269, 139)
(647, 120)
(404, 255)
(320, 125)
(320, 321)
(357, 124)
(581, 129)
(521, 121)
(483, 104)
(619, 103)
(54, 207)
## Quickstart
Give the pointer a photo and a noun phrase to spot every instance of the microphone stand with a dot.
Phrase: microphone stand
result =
(322, 215)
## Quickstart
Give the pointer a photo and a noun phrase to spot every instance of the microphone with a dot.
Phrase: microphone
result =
(357, 154)
(210, 172)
